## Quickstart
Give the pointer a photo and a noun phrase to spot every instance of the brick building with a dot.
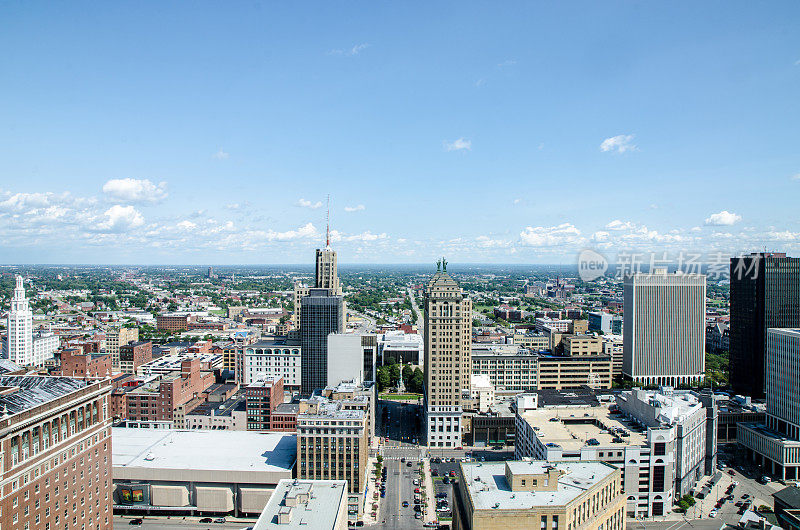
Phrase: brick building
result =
(263, 397)
(134, 355)
(157, 401)
(83, 365)
(56, 442)
(173, 322)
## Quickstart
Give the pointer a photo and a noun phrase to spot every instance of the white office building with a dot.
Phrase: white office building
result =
(271, 358)
(351, 357)
(664, 328)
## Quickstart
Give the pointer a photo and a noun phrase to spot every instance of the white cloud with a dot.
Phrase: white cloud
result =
(480, 82)
(359, 208)
(306, 231)
(506, 63)
(120, 218)
(517, 201)
(303, 203)
(350, 52)
(601, 236)
(458, 145)
(221, 155)
(187, 225)
(616, 224)
(541, 236)
(135, 190)
(723, 218)
(488, 242)
(620, 143)
(796, 177)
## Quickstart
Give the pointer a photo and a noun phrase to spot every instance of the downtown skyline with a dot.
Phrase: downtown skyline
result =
(515, 135)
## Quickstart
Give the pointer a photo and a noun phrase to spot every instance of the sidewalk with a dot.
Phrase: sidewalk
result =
(371, 491)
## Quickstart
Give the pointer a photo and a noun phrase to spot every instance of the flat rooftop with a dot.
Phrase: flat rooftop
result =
(487, 485)
(225, 408)
(320, 512)
(571, 427)
(21, 393)
(203, 450)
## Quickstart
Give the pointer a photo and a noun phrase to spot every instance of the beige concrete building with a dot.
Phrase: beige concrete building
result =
(539, 494)
(563, 373)
(333, 444)
(448, 363)
(116, 337)
(508, 366)
(533, 341)
(582, 345)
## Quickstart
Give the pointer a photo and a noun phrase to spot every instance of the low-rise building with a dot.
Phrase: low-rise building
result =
(304, 504)
(182, 472)
(612, 346)
(560, 372)
(173, 322)
(230, 415)
(508, 366)
(539, 494)
(171, 363)
(401, 348)
(75, 363)
(532, 340)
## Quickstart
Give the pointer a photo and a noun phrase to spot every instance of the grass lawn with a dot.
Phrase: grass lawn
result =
(400, 397)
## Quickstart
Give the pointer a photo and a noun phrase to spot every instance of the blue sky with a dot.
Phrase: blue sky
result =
(488, 132)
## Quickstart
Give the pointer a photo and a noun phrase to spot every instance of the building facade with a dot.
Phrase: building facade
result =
(23, 346)
(135, 354)
(262, 397)
(664, 328)
(351, 356)
(764, 293)
(56, 446)
(448, 359)
(272, 358)
(508, 367)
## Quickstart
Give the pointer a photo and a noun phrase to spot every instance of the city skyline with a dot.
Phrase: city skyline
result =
(217, 137)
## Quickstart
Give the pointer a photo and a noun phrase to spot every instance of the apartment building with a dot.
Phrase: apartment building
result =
(173, 322)
(532, 340)
(55, 436)
(75, 363)
(561, 372)
(539, 494)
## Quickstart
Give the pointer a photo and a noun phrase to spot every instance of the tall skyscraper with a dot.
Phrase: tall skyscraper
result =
(448, 358)
(322, 313)
(19, 343)
(764, 293)
(664, 328)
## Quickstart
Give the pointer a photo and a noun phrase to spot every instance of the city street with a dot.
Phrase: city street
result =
(399, 488)
(400, 422)
(177, 523)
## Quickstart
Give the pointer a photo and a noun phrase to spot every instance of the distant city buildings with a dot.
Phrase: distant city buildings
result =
(764, 293)
(448, 363)
(606, 323)
(664, 328)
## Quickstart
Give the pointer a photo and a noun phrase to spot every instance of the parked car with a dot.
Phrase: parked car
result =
(136, 522)
(206, 520)
(712, 514)
(405, 504)
(220, 520)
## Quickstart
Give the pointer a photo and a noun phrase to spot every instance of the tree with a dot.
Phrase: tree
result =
(383, 378)
(407, 373)
(417, 383)
(394, 375)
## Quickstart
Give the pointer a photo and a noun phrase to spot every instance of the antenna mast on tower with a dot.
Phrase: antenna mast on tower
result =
(328, 224)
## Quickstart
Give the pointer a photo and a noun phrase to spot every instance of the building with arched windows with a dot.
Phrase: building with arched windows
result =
(271, 358)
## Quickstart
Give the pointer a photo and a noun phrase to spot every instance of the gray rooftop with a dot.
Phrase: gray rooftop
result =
(487, 485)
(27, 392)
(201, 450)
(320, 512)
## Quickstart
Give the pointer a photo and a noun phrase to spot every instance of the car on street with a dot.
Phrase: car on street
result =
(712, 513)
(435, 472)
(764, 479)
(136, 522)
(405, 504)
(731, 472)
(220, 520)
(446, 480)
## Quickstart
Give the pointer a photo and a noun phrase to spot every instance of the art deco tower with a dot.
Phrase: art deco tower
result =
(448, 362)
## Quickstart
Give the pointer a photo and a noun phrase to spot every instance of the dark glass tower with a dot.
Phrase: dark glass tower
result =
(765, 293)
(321, 313)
